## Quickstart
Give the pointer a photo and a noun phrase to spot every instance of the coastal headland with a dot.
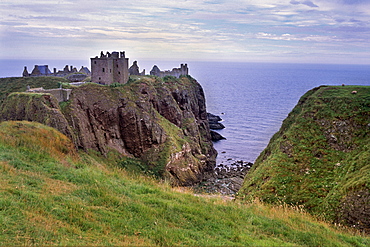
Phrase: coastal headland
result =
(161, 122)
(160, 126)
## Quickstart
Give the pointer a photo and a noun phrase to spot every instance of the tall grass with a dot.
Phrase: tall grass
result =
(51, 195)
(320, 157)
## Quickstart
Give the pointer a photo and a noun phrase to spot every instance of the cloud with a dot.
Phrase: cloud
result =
(306, 2)
(290, 37)
(355, 2)
(186, 28)
(310, 4)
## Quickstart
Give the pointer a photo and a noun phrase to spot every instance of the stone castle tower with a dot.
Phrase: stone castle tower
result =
(109, 68)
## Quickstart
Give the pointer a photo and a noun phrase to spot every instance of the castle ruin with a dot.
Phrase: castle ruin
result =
(109, 68)
(61, 94)
(134, 69)
(176, 72)
(69, 71)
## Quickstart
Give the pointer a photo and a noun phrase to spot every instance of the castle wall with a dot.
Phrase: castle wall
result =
(98, 74)
(110, 68)
(60, 94)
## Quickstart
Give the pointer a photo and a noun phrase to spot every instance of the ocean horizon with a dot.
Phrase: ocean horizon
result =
(252, 98)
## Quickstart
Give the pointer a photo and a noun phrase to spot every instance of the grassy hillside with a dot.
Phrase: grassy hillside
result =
(320, 157)
(52, 195)
(19, 84)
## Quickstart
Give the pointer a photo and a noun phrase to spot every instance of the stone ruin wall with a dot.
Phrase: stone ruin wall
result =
(43, 70)
(60, 94)
(176, 72)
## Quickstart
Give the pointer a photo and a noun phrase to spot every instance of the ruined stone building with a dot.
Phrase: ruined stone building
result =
(109, 68)
(65, 72)
(68, 71)
(176, 72)
(134, 69)
(60, 94)
(39, 70)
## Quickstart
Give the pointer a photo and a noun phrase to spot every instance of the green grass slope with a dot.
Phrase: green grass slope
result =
(19, 84)
(52, 195)
(320, 157)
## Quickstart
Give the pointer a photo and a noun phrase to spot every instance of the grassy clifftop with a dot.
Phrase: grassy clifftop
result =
(320, 157)
(52, 195)
(19, 84)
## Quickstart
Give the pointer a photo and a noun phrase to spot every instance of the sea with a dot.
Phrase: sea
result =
(252, 98)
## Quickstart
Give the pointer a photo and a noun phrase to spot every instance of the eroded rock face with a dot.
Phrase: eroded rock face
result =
(354, 210)
(42, 108)
(163, 124)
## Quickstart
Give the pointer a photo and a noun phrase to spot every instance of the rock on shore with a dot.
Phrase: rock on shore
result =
(216, 136)
(214, 124)
(225, 179)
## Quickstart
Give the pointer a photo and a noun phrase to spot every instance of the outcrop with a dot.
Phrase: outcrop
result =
(216, 136)
(319, 159)
(36, 107)
(162, 123)
(214, 124)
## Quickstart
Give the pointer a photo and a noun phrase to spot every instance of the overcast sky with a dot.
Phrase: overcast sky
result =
(312, 31)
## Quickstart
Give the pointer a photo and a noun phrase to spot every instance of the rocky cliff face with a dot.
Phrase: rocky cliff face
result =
(163, 123)
(42, 108)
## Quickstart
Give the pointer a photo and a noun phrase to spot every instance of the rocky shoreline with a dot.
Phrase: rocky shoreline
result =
(225, 179)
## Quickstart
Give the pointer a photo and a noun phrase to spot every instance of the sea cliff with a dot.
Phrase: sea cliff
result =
(161, 122)
(320, 158)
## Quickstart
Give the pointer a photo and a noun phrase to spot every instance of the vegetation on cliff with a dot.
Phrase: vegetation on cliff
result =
(38, 107)
(161, 122)
(19, 84)
(53, 195)
(320, 157)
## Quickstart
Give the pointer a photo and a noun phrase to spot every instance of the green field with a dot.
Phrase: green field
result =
(52, 194)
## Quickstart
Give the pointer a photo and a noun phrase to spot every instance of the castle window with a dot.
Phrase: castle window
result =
(110, 70)
(117, 65)
(119, 72)
(103, 70)
(94, 62)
